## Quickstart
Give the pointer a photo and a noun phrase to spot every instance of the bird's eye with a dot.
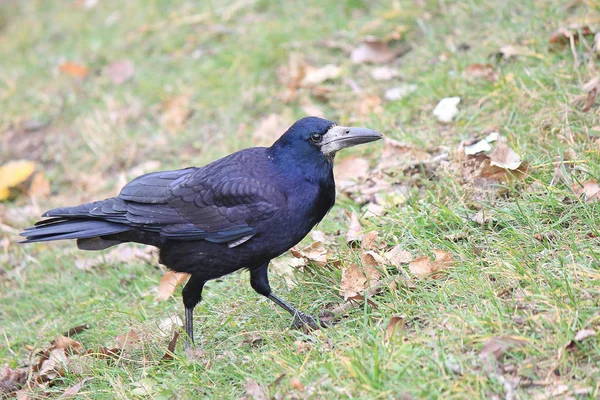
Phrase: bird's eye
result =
(316, 137)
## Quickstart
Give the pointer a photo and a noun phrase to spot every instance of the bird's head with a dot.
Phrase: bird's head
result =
(319, 138)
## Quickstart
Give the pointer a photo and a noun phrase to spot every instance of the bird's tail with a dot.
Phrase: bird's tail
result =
(75, 223)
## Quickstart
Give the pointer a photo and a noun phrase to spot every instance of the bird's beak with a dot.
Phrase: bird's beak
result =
(340, 137)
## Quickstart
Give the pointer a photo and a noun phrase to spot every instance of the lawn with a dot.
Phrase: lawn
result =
(96, 93)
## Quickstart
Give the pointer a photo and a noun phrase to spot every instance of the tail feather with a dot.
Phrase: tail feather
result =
(59, 229)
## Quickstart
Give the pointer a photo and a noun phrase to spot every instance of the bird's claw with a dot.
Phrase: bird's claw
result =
(302, 320)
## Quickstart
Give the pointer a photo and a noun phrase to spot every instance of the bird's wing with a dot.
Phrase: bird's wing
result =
(215, 205)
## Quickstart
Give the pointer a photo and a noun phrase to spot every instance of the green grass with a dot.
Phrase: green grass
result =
(504, 282)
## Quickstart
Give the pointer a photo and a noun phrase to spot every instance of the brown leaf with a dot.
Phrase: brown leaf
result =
(316, 253)
(269, 129)
(296, 384)
(395, 325)
(504, 157)
(370, 240)
(39, 186)
(74, 390)
(255, 390)
(314, 76)
(73, 69)
(396, 256)
(496, 346)
(76, 330)
(171, 347)
(562, 36)
(129, 341)
(588, 190)
(354, 234)
(401, 155)
(120, 71)
(175, 112)
(351, 168)
(355, 280)
(384, 73)
(374, 51)
(580, 337)
(481, 71)
(168, 283)
(68, 344)
(53, 365)
(11, 380)
(424, 266)
(292, 74)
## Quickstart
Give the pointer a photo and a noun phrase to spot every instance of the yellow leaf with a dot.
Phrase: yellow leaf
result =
(13, 173)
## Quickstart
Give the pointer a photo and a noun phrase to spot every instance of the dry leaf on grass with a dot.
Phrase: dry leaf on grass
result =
(446, 109)
(424, 266)
(171, 347)
(354, 234)
(314, 76)
(120, 71)
(384, 73)
(562, 36)
(175, 112)
(255, 390)
(401, 155)
(399, 92)
(397, 257)
(481, 146)
(580, 336)
(169, 282)
(355, 280)
(11, 380)
(351, 169)
(284, 267)
(375, 51)
(591, 89)
(128, 341)
(395, 326)
(496, 346)
(296, 384)
(39, 186)
(14, 173)
(588, 190)
(316, 253)
(53, 360)
(74, 390)
(481, 71)
(269, 129)
(504, 157)
(75, 70)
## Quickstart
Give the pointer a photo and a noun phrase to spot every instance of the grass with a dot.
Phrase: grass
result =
(504, 281)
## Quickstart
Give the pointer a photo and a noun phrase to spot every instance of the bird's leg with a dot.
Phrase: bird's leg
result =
(259, 280)
(192, 294)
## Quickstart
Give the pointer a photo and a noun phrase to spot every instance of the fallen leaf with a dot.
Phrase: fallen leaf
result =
(316, 253)
(580, 336)
(374, 51)
(317, 236)
(292, 74)
(284, 267)
(269, 129)
(482, 218)
(588, 190)
(175, 112)
(355, 280)
(76, 330)
(354, 234)
(14, 173)
(128, 341)
(597, 43)
(314, 76)
(483, 145)
(73, 69)
(504, 157)
(53, 365)
(446, 109)
(496, 346)
(351, 168)
(562, 36)
(256, 391)
(424, 266)
(513, 51)
(481, 71)
(120, 71)
(370, 240)
(11, 380)
(395, 325)
(39, 186)
(169, 282)
(397, 257)
(401, 155)
(66, 343)
(169, 325)
(384, 73)
(296, 384)
(74, 390)
(374, 210)
(399, 92)
(171, 347)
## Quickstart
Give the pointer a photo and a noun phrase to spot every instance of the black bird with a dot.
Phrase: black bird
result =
(237, 212)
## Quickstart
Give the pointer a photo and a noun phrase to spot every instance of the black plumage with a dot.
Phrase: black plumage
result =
(240, 211)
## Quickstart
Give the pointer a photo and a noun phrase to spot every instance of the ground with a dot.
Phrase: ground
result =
(514, 314)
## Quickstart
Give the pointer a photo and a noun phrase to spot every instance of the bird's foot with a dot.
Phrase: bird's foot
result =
(306, 321)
